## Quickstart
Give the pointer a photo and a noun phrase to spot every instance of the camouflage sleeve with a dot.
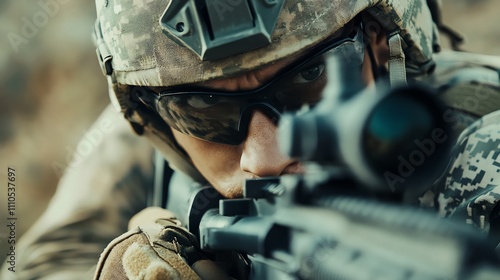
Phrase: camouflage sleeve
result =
(94, 201)
(470, 190)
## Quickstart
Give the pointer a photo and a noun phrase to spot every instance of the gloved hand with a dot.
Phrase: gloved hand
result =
(155, 247)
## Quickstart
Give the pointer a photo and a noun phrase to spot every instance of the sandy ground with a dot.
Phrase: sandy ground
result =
(52, 89)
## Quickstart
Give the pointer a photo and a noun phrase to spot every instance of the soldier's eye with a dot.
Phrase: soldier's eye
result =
(310, 74)
(203, 101)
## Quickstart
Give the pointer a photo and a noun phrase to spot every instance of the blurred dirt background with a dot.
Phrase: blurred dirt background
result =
(51, 89)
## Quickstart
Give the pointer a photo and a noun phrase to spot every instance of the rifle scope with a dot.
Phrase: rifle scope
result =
(391, 139)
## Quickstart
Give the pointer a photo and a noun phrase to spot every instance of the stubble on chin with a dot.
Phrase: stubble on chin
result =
(234, 192)
(232, 187)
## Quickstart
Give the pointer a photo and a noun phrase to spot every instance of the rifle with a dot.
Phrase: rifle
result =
(348, 216)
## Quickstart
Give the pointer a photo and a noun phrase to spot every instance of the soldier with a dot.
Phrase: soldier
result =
(205, 84)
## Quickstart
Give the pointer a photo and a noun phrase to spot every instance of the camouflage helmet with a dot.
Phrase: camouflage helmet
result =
(133, 50)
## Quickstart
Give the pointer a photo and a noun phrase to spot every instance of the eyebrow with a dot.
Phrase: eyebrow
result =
(262, 75)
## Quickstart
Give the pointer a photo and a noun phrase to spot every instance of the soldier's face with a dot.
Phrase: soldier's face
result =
(226, 166)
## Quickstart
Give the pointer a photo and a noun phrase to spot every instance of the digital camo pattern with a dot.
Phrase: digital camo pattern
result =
(143, 55)
(469, 190)
(471, 187)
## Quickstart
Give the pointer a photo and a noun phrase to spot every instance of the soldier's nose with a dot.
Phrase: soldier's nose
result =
(261, 155)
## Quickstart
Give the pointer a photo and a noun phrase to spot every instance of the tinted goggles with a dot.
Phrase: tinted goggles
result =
(223, 117)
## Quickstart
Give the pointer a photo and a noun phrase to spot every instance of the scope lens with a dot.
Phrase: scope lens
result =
(394, 126)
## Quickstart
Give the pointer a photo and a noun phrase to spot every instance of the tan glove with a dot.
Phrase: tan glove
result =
(155, 247)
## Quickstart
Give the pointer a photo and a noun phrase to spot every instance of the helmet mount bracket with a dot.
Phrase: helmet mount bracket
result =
(216, 29)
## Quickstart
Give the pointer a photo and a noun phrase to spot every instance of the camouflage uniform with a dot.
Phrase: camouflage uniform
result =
(95, 201)
(470, 188)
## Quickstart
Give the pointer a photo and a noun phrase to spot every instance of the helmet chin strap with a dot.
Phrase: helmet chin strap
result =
(397, 64)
